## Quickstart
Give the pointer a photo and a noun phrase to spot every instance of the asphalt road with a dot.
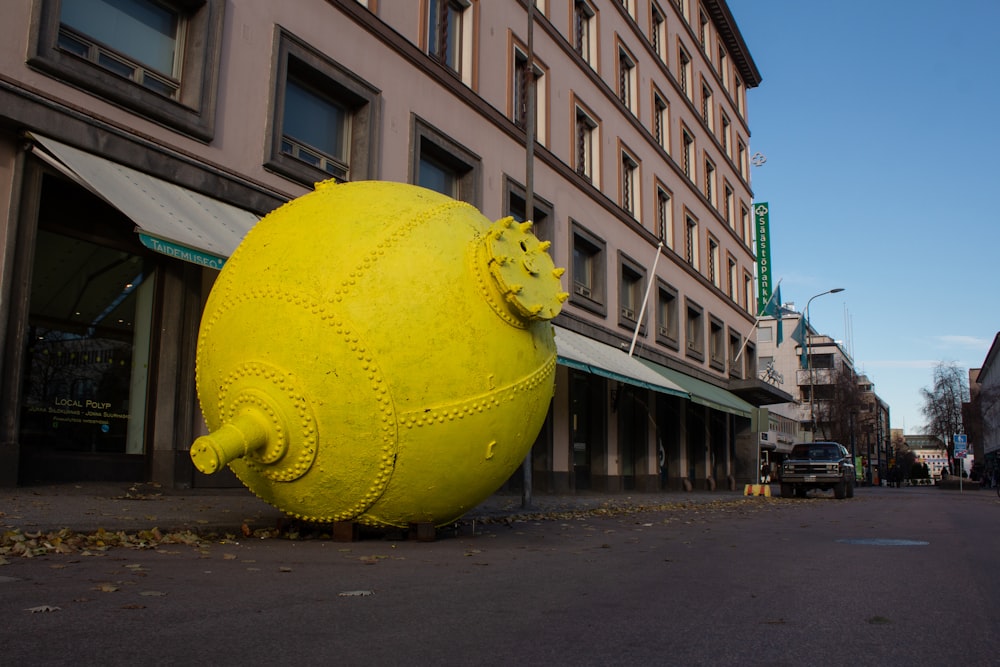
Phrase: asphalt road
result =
(906, 576)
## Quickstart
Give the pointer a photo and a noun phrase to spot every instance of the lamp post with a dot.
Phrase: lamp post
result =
(809, 364)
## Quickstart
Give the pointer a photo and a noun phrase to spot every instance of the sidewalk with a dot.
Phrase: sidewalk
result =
(88, 506)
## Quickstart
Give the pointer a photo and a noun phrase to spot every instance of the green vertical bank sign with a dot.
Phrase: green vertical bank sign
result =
(764, 285)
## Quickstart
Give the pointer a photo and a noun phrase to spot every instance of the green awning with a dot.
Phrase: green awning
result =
(703, 393)
(586, 354)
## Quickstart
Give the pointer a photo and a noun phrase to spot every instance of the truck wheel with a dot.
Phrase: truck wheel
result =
(840, 490)
(850, 488)
(787, 490)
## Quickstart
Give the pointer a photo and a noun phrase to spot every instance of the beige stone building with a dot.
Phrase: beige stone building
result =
(140, 140)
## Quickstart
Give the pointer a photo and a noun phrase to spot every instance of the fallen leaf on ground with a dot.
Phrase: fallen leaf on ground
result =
(43, 608)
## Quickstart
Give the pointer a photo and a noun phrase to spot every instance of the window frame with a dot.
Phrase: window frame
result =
(628, 79)
(691, 241)
(630, 181)
(694, 330)
(335, 83)
(460, 61)
(660, 127)
(541, 220)
(658, 32)
(667, 315)
(631, 289)
(716, 343)
(586, 152)
(594, 296)
(585, 29)
(192, 111)
(429, 143)
(664, 215)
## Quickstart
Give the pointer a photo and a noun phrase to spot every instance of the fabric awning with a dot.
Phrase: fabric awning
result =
(169, 218)
(578, 351)
(703, 393)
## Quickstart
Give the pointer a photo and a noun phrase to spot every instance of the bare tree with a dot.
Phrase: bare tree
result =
(943, 404)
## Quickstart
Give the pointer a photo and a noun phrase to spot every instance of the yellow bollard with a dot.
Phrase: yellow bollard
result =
(377, 352)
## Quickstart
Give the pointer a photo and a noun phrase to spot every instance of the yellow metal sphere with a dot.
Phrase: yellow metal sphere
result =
(377, 352)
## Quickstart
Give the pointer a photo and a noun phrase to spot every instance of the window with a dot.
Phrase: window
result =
(324, 118)
(735, 343)
(706, 106)
(658, 33)
(726, 129)
(731, 279)
(664, 217)
(586, 145)
(703, 30)
(738, 95)
(680, 7)
(710, 182)
(745, 224)
(449, 37)
(691, 242)
(667, 321)
(629, 6)
(684, 71)
(442, 165)
(630, 185)
(520, 81)
(159, 59)
(741, 159)
(723, 67)
(516, 207)
(627, 80)
(585, 31)
(713, 261)
(764, 334)
(687, 150)
(661, 121)
(695, 331)
(630, 292)
(749, 360)
(716, 345)
(588, 270)
(748, 298)
(727, 204)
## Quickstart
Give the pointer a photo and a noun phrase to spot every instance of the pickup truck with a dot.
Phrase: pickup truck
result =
(818, 465)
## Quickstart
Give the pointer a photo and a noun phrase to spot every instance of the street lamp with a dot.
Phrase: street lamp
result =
(809, 365)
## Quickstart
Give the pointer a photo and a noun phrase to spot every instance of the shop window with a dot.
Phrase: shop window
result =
(88, 348)
(159, 58)
(324, 118)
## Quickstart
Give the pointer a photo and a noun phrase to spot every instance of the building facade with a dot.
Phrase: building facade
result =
(140, 140)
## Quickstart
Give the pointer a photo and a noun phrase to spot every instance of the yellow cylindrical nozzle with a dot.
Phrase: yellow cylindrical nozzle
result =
(235, 439)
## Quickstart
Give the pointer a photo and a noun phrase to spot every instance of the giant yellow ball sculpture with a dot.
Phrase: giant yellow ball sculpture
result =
(379, 353)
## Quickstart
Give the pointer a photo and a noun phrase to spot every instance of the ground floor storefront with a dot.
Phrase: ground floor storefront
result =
(100, 323)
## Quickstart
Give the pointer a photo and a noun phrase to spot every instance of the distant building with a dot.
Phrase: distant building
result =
(986, 399)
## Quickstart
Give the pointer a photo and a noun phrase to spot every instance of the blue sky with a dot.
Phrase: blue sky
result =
(878, 119)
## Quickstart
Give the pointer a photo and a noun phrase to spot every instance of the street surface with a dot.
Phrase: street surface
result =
(900, 576)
